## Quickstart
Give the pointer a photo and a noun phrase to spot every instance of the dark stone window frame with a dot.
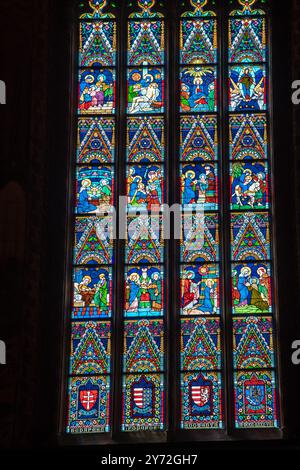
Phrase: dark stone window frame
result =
(61, 137)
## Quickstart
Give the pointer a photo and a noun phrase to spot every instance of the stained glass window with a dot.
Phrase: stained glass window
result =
(253, 306)
(168, 335)
(89, 401)
(144, 340)
(200, 347)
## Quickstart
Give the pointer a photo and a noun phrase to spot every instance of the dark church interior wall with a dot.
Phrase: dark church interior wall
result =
(25, 34)
(34, 56)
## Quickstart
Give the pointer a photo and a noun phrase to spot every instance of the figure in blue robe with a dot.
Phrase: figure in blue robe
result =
(245, 185)
(244, 182)
(133, 291)
(84, 205)
(189, 193)
(242, 286)
(207, 304)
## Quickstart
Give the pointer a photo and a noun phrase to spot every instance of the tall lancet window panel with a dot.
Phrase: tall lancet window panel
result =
(201, 311)
(253, 307)
(144, 349)
(89, 409)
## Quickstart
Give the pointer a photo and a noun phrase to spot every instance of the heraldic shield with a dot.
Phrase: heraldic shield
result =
(88, 403)
(255, 395)
(142, 398)
(201, 396)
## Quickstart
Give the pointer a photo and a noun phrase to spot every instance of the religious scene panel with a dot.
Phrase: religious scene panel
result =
(146, 90)
(145, 187)
(248, 88)
(198, 89)
(97, 91)
(144, 291)
(200, 289)
(199, 184)
(251, 288)
(92, 292)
